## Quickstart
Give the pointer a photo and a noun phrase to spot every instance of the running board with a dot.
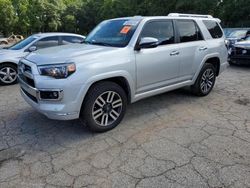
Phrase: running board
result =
(161, 90)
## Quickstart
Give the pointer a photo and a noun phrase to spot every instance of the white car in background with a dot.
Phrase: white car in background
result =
(10, 57)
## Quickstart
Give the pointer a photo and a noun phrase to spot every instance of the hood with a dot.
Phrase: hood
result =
(4, 52)
(243, 44)
(67, 53)
(233, 39)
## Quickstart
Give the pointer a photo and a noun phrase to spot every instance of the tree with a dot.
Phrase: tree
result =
(236, 13)
(69, 16)
(89, 15)
(81, 16)
(7, 17)
(21, 8)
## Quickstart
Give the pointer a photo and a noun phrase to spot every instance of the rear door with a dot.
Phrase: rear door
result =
(47, 42)
(192, 46)
(64, 40)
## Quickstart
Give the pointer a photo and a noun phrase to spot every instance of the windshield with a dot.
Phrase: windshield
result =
(238, 34)
(23, 43)
(116, 33)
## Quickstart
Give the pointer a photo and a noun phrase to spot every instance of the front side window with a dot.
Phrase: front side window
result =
(116, 33)
(188, 31)
(161, 30)
(213, 28)
(47, 42)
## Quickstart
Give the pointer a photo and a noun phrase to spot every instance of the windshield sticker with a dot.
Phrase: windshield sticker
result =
(125, 29)
(131, 22)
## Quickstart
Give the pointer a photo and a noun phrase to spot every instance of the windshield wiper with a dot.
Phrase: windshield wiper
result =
(98, 43)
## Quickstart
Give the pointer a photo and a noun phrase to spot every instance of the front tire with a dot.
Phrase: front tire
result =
(104, 106)
(8, 74)
(205, 81)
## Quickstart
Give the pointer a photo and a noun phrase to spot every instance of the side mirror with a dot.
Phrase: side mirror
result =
(148, 42)
(227, 43)
(32, 49)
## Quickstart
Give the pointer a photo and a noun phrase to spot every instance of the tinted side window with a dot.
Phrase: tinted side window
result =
(188, 31)
(71, 39)
(213, 28)
(162, 30)
(47, 42)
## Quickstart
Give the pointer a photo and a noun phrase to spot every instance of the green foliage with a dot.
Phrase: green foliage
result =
(80, 16)
(7, 16)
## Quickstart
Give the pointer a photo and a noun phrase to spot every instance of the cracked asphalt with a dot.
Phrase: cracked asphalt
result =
(171, 140)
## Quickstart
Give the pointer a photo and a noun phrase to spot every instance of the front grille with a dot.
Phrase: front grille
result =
(27, 80)
(30, 96)
(22, 69)
(240, 51)
(27, 68)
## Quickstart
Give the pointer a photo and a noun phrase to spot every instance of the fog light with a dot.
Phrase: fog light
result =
(49, 95)
(55, 94)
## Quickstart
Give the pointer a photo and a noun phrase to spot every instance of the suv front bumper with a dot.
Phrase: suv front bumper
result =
(49, 108)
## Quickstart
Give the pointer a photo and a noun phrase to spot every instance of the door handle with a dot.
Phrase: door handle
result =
(174, 53)
(203, 48)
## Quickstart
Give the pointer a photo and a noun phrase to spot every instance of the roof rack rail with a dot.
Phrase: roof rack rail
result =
(190, 15)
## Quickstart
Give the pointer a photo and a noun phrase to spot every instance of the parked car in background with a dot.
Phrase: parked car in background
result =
(237, 35)
(122, 61)
(10, 57)
(11, 39)
(239, 53)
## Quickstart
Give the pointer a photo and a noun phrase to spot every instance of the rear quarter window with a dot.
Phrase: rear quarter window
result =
(188, 31)
(213, 28)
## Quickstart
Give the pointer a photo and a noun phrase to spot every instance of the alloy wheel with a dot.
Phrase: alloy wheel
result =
(8, 75)
(207, 81)
(107, 108)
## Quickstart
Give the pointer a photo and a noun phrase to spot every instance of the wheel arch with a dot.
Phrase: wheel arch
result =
(215, 61)
(210, 58)
(123, 79)
(8, 62)
(120, 80)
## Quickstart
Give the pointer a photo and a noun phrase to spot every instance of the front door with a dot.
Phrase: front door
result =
(160, 66)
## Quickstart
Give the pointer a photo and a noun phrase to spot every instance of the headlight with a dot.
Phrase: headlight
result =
(227, 42)
(57, 71)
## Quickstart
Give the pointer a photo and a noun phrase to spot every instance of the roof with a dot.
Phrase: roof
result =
(56, 34)
(173, 16)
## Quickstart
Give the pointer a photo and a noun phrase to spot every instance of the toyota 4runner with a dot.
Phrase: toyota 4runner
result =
(122, 61)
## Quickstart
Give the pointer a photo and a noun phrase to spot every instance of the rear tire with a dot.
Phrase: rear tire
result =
(205, 81)
(104, 106)
(8, 74)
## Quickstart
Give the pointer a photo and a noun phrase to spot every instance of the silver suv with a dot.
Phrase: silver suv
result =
(122, 61)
